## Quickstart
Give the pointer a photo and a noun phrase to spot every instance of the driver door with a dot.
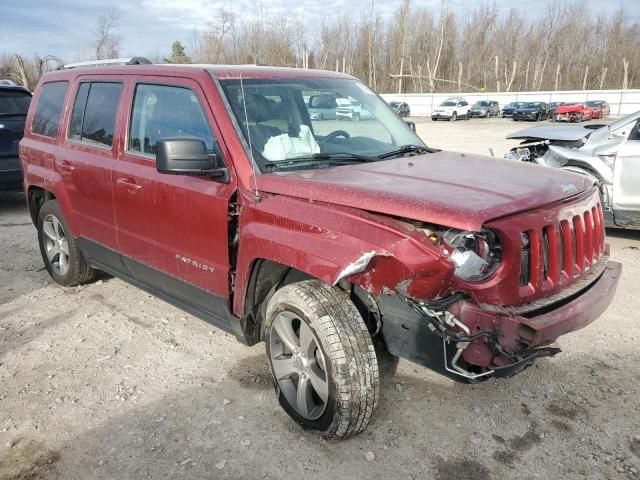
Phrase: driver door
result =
(173, 229)
(626, 181)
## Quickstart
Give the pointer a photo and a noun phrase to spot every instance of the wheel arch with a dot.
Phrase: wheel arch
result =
(266, 277)
(582, 168)
(286, 239)
(36, 196)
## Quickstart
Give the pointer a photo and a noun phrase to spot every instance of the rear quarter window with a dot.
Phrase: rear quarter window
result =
(46, 120)
(14, 102)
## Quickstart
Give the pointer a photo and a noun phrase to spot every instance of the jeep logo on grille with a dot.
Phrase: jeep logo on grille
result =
(569, 188)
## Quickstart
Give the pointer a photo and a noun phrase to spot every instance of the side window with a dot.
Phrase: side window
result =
(163, 111)
(635, 132)
(46, 120)
(93, 118)
(75, 128)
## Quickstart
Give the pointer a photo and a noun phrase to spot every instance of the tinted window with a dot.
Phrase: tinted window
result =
(47, 117)
(161, 111)
(14, 102)
(75, 129)
(94, 113)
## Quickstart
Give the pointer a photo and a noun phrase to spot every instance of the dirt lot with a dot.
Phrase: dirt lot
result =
(107, 382)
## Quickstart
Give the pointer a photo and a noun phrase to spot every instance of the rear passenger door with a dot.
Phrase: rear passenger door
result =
(173, 229)
(87, 159)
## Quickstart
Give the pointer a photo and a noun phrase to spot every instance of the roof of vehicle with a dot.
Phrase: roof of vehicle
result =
(17, 88)
(219, 71)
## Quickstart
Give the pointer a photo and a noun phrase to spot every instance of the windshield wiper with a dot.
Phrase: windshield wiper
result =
(339, 158)
(407, 149)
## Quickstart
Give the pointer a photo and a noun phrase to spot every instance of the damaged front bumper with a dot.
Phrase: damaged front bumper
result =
(489, 343)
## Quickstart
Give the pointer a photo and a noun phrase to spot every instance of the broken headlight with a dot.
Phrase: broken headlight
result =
(475, 256)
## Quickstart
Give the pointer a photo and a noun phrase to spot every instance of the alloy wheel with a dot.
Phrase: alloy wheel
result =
(56, 244)
(299, 365)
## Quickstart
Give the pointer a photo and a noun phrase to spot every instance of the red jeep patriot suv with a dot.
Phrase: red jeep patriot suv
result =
(340, 244)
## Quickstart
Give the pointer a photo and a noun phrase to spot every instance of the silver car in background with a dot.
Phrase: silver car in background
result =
(610, 154)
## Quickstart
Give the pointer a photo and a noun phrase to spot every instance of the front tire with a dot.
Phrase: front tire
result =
(454, 117)
(322, 359)
(60, 253)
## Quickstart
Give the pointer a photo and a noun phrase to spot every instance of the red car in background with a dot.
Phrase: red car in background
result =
(600, 108)
(576, 112)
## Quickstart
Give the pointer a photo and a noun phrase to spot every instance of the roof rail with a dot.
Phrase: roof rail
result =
(110, 61)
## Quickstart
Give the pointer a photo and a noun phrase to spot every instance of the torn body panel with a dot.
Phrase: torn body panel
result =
(359, 265)
(336, 243)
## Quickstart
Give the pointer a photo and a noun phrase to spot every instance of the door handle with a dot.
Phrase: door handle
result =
(66, 166)
(129, 183)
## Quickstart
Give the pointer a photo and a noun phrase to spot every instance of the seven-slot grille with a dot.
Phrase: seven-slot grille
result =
(562, 251)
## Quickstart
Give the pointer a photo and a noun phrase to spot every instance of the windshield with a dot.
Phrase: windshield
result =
(277, 123)
(594, 104)
(531, 105)
(481, 104)
(14, 102)
(448, 103)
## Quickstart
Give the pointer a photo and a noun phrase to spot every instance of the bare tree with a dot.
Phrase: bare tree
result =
(422, 49)
(106, 42)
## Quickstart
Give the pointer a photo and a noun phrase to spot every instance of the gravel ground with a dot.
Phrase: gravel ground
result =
(105, 381)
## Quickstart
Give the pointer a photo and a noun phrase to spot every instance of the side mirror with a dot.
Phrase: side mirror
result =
(412, 125)
(188, 156)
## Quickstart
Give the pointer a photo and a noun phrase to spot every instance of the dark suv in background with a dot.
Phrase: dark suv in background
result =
(14, 104)
(535, 111)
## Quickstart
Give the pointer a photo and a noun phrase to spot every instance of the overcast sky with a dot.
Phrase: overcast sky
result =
(147, 27)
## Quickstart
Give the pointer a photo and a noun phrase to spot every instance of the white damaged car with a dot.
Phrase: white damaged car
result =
(610, 154)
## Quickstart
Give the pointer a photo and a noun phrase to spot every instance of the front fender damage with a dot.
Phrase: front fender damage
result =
(358, 265)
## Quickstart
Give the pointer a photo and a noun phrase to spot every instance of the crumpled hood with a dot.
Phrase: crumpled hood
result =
(553, 132)
(446, 188)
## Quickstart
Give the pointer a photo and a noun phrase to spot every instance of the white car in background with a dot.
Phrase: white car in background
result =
(452, 109)
(351, 109)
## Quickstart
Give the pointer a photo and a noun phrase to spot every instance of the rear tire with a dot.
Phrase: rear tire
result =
(454, 117)
(316, 340)
(60, 253)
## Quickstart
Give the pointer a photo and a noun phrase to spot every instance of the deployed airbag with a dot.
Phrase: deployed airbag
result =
(283, 147)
